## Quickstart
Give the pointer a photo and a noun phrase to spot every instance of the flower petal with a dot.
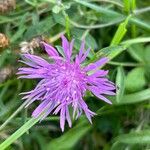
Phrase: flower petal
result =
(68, 117)
(62, 118)
(36, 59)
(67, 47)
(51, 51)
(40, 108)
(97, 64)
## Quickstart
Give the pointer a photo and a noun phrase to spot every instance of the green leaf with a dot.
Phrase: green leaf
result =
(18, 133)
(140, 23)
(32, 3)
(89, 39)
(137, 52)
(120, 83)
(21, 29)
(135, 80)
(105, 11)
(71, 137)
(118, 146)
(5, 19)
(140, 137)
(41, 27)
(137, 40)
(56, 9)
(110, 52)
(121, 31)
(97, 8)
(136, 97)
(59, 18)
(3, 57)
(147, 54)
(60, 50)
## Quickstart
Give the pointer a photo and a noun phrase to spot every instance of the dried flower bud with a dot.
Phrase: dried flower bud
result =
(25, 47)
(5, 73)
(7, 5)
(4, 41)
(28, 47)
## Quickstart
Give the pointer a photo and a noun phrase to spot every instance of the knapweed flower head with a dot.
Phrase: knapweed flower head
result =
(64, 82)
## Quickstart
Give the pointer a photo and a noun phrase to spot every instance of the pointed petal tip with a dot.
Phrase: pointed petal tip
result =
(62, 128)
(110, 103)
(104, 60)
(62, 36)
(70, 125)
(34, 115)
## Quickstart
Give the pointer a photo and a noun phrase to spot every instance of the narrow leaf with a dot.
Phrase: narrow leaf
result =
(120, 83)
(136, 97)
(110, 52)
(137, 40)
(141, 137)
(121, 31)
(140, 23)
(137, 52)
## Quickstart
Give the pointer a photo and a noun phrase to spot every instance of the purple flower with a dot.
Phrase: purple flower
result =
(64, 82)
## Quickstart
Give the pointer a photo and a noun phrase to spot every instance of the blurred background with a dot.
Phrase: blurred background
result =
(118, 29)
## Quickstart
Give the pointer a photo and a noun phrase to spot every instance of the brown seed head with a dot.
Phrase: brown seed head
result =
(28, 47)
(7, 5)
(4, 41)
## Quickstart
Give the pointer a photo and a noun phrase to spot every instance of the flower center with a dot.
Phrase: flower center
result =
(70, 75)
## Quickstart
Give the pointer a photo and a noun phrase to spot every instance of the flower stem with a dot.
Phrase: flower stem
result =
(126, 64)
(19, 133)
(13, 115)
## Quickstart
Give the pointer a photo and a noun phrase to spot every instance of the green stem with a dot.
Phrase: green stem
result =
(141, 10)
(127, 6)
(51, 118)
(13, 115)
(124, 64)
(96, 26)
(120, 33)
(136, 40)
(19, 133)
(133, 5)
(133, 27)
